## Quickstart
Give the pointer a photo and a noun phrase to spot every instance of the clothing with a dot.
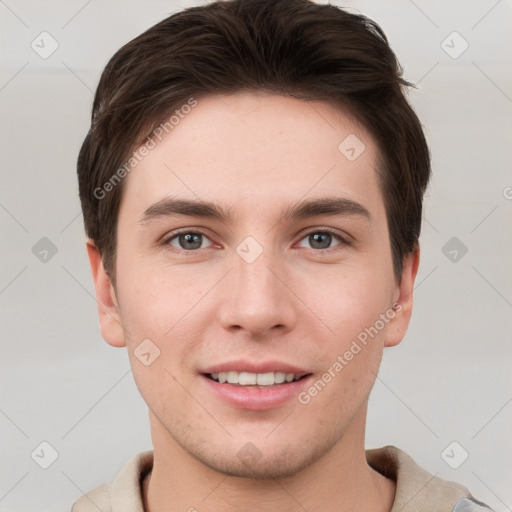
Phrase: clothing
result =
(416, 489)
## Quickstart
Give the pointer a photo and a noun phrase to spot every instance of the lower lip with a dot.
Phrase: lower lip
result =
(256, 399)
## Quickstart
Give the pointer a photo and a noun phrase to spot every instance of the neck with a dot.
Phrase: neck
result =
(339, 480)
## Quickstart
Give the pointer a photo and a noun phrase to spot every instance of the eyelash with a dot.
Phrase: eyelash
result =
(344, 240)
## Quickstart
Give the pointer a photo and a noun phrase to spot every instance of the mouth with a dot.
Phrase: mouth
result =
(255, 387)
(255, 380)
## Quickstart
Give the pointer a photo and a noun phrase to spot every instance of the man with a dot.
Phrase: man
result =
(252, 186)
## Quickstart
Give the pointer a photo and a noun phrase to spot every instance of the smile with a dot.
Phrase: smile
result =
(254, 379)
(255, 391)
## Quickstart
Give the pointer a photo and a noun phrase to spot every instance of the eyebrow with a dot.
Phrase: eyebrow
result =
(339, 206)
(334, 206)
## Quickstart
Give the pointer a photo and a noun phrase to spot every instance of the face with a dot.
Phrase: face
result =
(253, 249)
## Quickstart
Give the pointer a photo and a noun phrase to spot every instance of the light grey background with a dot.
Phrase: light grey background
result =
(449, 381)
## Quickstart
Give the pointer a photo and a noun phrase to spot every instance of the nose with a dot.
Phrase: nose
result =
(258, 297)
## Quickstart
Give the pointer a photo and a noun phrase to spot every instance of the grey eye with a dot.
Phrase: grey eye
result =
(188, 241)
(320, 240)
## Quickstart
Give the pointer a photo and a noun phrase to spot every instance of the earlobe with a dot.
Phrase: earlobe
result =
(108, 309)
(403, 311)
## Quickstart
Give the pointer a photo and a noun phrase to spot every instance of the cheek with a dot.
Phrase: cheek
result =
(348, 299)
(351, 352)
(165, 313)
(161, 302)
(162, 316)
(350, 337)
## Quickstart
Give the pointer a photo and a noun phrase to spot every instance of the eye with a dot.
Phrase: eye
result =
(187, 240)
(323, 239)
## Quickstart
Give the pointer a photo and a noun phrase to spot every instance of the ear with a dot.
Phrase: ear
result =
(110, 321)
(403, 310)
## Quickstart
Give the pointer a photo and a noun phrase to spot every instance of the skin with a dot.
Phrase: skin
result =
(255, 154)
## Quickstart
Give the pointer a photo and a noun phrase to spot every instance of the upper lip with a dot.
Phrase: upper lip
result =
(253, 367)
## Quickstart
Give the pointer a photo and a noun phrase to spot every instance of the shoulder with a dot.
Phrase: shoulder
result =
(417, 490)
(98, 498)
(124, 493)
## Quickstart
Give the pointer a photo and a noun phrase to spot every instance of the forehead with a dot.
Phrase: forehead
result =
(255, 151)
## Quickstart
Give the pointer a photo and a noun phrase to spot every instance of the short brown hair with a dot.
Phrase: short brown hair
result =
(295, 48)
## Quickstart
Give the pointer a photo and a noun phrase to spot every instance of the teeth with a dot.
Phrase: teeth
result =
(263, 379)
(249, 379)
(232, 377)
(279, 377)
(253, 379)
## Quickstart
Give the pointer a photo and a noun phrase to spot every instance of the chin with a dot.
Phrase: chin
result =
(269, 463)
(263, 469)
